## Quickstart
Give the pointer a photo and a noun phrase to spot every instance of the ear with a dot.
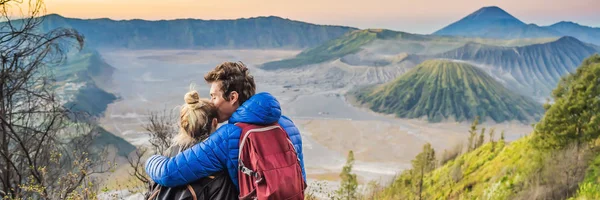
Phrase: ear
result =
(215, 123)
(233, 97)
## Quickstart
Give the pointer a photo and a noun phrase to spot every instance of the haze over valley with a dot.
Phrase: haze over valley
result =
(381, 93)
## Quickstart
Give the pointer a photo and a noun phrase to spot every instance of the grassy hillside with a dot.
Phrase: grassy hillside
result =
(259, 32)
(438, 90)
(559, 160)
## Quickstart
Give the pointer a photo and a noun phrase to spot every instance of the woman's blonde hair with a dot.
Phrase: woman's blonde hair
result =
(196, 118)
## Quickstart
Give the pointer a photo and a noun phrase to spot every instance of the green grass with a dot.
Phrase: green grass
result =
(590, 187)
(486, 174)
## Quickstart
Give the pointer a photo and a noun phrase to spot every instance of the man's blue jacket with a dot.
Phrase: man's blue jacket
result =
(220, 151)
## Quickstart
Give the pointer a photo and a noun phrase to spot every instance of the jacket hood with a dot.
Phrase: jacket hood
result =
(262, 108)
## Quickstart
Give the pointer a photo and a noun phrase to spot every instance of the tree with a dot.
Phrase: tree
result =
(423, 163)
(472, 134)
(45, 149)
(492, 135)
(481, 139)
(456, 172)
(161, 127)
(574, 116)
(451, 154)
(349, 181)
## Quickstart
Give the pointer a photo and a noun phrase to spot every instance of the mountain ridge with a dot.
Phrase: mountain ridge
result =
(258, 32)
(358, 40)
(494, 22)
(537, 68)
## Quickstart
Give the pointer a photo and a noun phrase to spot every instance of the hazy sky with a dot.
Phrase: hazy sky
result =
(417, 16)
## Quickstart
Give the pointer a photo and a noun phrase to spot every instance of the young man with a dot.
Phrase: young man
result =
(233, 93)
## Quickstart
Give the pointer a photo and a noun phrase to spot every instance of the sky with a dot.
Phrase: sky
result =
(415, 16)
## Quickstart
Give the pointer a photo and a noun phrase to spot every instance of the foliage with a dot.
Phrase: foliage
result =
(161, 127)
(481, 139)
(349, 181)
(451, 154)
(46, 150)
(423, 163)
(575, 113)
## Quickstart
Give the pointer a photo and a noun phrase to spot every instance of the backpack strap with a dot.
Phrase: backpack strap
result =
(155, 193)
(191, 189)
(241, 165)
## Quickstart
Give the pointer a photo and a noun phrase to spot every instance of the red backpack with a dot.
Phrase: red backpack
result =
(269, 167)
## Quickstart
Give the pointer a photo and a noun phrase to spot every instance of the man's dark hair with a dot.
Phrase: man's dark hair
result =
(234, 76)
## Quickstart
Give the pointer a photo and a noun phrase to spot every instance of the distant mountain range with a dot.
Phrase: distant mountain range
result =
(440, 89)
(493, 22)
(583, 33)
(387, 42)
(532, 69)
(259, 32)
(529, 66)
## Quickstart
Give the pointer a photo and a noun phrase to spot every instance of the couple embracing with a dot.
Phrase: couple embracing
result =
(256, 155)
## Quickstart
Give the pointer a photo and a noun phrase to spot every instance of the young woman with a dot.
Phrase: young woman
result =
(198, 119)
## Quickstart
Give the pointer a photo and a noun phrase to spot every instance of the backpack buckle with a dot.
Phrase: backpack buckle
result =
(247, 171)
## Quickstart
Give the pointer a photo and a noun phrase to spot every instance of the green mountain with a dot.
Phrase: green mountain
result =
(259, 32)
(493, 22)
(439, 89)
(534, 69)
(527, 168)
(386, 42)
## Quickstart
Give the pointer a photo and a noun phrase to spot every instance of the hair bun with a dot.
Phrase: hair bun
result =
(191, 97)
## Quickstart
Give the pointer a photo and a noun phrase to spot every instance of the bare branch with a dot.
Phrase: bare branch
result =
(43, 152)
